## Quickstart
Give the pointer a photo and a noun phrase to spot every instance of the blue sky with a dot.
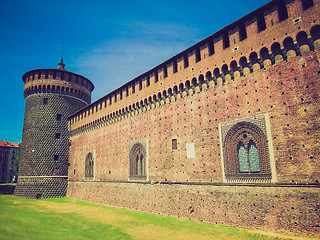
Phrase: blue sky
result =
(109, 42)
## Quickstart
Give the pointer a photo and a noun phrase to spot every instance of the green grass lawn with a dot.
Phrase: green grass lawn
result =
(65, 218)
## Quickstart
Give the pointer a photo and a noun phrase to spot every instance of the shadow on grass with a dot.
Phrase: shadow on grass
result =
(7, 189)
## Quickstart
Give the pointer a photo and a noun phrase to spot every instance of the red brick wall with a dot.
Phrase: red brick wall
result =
(287, 91)
(291, 210)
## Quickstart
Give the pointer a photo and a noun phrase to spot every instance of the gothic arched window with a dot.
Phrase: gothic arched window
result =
(137, 161)
(246, 154)
(89, 165)
(248, 157)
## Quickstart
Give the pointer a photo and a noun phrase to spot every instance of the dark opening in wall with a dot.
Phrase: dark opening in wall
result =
(307, 4)
(186, 60)
(45, 101)
(59, 117)
(226, 41)
(140, 84)
(282, 10)
(156, 78)
(261, 22)
(174, 144)
(57, 135)
(198, 55)
(133, 88)
(148, 81)
(210, 47)
(165, 71)
(175, 66)
(242, 31)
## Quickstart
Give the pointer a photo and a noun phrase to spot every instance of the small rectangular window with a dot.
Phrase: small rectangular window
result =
(261, 22)
(210, 47)
(175, 66)
(174, 144)
(140, 84)
(186, 60)
(198, 55)
(156, 78)
(165, 71)
(242, 32)
(282, 10)
(226, 41)
(307, 4)
(133, 88)
(59, 117)
(45, 101)
(56, 157)
(148, 81)
(57, 135)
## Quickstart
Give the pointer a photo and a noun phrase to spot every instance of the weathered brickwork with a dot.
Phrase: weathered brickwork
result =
(261, 72)
(51, 97)
(285, 209)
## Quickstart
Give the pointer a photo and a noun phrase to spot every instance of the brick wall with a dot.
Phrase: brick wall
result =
(280, 86)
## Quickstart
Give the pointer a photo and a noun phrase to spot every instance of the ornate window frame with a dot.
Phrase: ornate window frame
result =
(138, 161)
(89, 165)
(244, 132)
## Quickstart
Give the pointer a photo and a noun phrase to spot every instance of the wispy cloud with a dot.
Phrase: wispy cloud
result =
(117, 61)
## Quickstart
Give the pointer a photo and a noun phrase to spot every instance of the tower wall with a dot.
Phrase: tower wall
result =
(45, 144)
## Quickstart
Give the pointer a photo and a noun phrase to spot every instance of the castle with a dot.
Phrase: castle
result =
(226, 131)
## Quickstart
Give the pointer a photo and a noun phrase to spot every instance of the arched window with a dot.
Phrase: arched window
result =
(137, 161)
(248, 157)
(243, 158)
(253, 157)
(315, 32)
(246, 154)
(288, 44)
(89, 165)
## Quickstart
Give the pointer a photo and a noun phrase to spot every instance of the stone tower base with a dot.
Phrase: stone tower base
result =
(41, 187)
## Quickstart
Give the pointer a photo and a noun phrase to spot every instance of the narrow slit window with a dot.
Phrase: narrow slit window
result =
(175, 66)
(242, 32)
(186, 60)
(156, 77)
(57, 135)
(165, 71)
(226, 41)
(198, 55)
(174, 144)
(210, 47)
(59, 116)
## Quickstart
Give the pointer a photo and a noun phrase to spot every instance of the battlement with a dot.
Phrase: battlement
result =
(273, 33)
(59, 81)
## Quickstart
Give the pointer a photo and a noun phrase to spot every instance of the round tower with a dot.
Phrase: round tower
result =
(51, 96)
